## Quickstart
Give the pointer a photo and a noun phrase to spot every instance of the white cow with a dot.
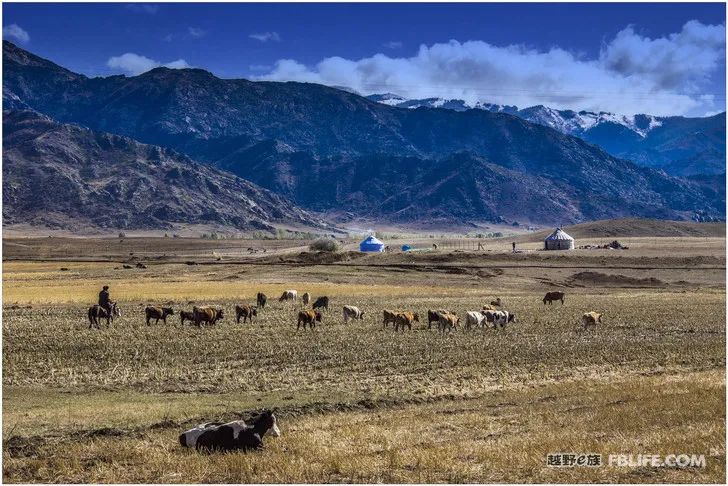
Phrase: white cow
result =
(504, 317)
(289, 295)
(474, 318)
(351, 312)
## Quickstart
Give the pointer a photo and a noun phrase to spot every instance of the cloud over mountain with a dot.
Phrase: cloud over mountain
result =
(134, 64)
(632, 73)
(14, 31)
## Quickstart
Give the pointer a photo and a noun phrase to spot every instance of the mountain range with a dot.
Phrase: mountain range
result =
(335, 152)
(65, 176)
(680, 146)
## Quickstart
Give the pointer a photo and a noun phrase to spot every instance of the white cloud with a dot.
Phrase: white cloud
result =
(134, 64)
(392, 45)
(632, 73)
(14, 31)
(146, 8)
(196, 32)
(266, 36)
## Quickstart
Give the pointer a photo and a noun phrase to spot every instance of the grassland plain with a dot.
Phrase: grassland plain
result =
(358, 402)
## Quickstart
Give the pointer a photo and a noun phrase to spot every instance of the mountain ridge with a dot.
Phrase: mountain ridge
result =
(636, 137)
(100, 180)
(317, 145)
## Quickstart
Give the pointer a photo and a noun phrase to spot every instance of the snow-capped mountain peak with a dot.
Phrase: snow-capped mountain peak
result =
(565, 121)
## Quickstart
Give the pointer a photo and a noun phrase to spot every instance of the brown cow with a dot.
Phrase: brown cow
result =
(186, 316)
(157, 313)
(552, 296)
(306, 298)
(308, 317)
(246, 312)
(389, 316)
(206, 314)
(448, 321)
(434, 316)
(405, 319)
(591, 319)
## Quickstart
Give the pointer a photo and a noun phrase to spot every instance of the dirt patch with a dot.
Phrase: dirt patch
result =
(321, 257)
(589, 279)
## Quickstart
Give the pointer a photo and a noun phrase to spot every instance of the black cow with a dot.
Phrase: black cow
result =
(321, 303)
(261, 299)
(237, 435)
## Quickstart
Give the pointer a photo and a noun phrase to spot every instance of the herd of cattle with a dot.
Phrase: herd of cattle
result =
(489, 316)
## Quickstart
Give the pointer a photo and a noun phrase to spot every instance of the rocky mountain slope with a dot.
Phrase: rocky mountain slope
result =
(680, 146)
(68, 177)
(464, 187)
(332, 150)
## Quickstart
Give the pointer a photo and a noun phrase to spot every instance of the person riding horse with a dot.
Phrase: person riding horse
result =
(105, 299)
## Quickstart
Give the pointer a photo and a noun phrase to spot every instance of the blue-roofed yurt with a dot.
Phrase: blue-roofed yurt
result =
(371, 244)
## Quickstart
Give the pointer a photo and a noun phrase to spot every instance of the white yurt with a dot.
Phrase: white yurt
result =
(558, 240)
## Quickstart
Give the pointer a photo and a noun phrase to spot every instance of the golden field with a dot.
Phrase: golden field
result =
(356, 402)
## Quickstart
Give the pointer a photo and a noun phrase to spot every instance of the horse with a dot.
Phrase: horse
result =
(96, 312)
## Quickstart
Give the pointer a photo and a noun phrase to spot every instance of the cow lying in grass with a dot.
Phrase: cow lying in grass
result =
(231, 436)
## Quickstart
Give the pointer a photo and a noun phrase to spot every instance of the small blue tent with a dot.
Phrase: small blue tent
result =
(371, 244)
(406, 248)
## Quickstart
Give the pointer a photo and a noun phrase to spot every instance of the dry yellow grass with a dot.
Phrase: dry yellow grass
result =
(502, 437)
(106, 405)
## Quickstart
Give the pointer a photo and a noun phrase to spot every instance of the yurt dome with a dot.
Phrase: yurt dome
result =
(559, 240)
(370, 244)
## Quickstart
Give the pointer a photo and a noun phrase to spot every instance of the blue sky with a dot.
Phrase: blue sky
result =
(627, 58)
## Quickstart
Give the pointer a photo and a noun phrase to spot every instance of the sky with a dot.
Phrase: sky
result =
(661, 59)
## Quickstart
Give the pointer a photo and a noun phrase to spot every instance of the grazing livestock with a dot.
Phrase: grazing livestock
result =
(351, 312)
(206, 314)
(246, 312)
(434, 316)
(489, 308)
(591, 319)
(490, 317)
(496, 302)
(261, 299)
(321, 303)
(552, 296)
(405, 319)
(237, 435)
(186, 316)
(474, 318)
(448, 321)
(308, 317)
(499, 318)
(306, 298)
(96, 312)
(389, 316)
(157, 313)
(289, 295)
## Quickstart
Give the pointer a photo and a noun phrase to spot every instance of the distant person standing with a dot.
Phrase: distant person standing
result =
(514, 246)
(105, 299)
